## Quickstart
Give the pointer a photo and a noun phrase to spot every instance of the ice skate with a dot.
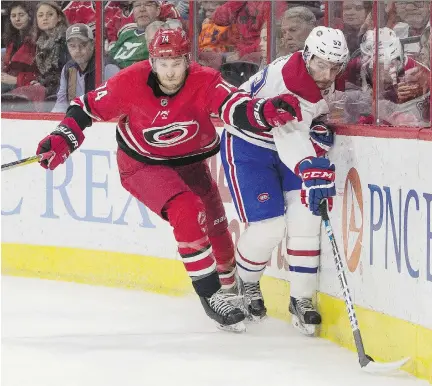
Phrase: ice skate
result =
(231, 289)
(305, 317)
(253, 301)
(220, 308)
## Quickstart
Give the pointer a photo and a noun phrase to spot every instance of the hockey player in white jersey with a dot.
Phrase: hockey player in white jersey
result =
(276, 178)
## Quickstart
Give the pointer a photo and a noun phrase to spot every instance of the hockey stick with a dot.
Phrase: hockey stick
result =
(26, 161)
(366, 362)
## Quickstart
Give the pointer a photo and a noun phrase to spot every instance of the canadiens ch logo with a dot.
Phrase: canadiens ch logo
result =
(263, 197)
(172, 134)
(164, 102)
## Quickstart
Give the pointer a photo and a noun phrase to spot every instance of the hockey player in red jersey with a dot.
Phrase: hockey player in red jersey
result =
(164, 135)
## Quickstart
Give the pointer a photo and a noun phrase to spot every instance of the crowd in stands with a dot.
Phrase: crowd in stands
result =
(48, 48)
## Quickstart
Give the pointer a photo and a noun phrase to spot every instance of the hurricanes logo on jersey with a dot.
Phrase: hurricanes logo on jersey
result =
(171, 135)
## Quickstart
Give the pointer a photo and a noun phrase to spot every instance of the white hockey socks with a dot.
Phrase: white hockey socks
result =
(255, 247)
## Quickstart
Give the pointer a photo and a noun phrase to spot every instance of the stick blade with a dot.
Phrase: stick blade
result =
(377, 367)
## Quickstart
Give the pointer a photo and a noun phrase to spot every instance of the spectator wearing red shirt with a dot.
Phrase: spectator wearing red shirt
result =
(81, 12)
(249, 17)
(18, 66)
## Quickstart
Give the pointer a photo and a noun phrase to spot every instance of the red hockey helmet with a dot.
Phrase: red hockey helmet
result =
(169, 43)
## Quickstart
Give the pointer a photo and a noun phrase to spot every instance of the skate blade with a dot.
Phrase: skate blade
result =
(237, 327)
(305, 329)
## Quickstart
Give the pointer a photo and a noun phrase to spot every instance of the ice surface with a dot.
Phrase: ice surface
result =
(65, 334)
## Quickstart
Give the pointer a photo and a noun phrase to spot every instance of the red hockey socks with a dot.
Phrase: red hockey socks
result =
(186, 214)
(223, 250)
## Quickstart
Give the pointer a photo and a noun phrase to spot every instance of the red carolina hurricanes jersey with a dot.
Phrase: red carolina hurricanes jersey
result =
(156, 128)
(80, 12)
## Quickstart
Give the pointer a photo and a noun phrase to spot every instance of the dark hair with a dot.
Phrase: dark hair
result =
(367, 5)
(13, 35)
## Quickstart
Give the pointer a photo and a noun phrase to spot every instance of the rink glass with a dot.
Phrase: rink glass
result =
(238, 51)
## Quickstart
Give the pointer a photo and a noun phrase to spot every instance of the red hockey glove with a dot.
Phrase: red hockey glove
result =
(279, 110)
(65, 139)
(276, 111)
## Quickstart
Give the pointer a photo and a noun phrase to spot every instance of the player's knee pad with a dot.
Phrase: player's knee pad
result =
(186, 214)
(303, 246)
(216, 217)
(255, 247)
(299, 220)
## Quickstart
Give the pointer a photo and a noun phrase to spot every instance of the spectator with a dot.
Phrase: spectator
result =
(18, 66)
(120, 17)
(49, 32)
(249, 17)
(131, 45)
(214, 37)
(51, 50)
(78, 74)
(414, 18)
(297, 23)
(5, 6)
(354, 15)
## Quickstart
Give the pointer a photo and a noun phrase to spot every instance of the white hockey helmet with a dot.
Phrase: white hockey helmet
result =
(389, 46)
(328, 44)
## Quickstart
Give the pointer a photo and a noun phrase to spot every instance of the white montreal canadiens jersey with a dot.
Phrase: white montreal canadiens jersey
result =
(286, 75)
